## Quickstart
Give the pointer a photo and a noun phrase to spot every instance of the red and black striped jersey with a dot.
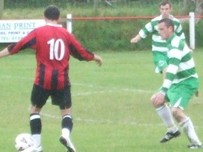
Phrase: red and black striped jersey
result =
(53, 45)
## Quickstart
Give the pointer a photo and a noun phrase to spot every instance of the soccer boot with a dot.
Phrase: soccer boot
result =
(38, 149)
(33, 149)
(195, 146)
(170, 135)
(67, 143)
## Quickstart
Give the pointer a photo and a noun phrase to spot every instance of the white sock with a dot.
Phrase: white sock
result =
(37, 139)
(65, 132)
(189, 130)
(165, 114)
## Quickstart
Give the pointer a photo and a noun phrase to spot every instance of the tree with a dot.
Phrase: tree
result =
(1, 7)
(95, 4)
(194, 5)
(199, 7)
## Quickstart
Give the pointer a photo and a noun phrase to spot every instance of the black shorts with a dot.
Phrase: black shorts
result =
(61, 98)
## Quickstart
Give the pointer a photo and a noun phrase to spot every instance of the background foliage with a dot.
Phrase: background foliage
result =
(102, 35)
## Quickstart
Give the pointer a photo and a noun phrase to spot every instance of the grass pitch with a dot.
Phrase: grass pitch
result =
(111, 107)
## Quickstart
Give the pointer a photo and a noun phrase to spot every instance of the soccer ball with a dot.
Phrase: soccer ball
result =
(24, 143)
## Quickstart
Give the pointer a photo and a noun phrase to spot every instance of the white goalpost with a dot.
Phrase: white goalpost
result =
(69, 23)
(192, 29)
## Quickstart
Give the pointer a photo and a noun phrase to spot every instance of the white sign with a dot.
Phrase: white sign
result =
(14, 30)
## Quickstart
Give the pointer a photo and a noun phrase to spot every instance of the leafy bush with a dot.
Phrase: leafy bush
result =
(103, 35)
(113, 35)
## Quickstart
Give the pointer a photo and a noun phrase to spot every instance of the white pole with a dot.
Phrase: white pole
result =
(192, 29)
(69, 23)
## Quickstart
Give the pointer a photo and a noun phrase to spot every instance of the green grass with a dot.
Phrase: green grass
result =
(111, 107)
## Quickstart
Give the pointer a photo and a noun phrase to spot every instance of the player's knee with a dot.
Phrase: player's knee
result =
(155, 103)
(34, 109)
(177, 114)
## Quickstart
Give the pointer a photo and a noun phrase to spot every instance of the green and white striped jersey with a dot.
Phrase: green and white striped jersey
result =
(181, 65)
(158, 44)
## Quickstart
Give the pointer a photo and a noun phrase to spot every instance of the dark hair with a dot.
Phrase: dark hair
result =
(165, 2)
(168, 22)
(52, 12)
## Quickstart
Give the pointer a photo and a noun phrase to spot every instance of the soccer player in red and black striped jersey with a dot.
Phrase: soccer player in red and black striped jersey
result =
(53, 46)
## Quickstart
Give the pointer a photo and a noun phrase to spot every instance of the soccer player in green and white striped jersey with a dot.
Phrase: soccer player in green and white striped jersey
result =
(159, 50)
(180, 82)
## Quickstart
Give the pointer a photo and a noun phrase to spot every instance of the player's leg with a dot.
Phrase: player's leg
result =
(180, 97)
(188, 128)
(63, 99)
(164, 112)
(36, 127)
(38, 99)
(67, 126)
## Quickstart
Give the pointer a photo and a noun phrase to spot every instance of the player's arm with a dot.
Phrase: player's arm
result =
(28, 41)
(172, 69)
(159, 97)
(170, 73)
(79, 52)
(148, 28)
(8, 50)
(179, 32)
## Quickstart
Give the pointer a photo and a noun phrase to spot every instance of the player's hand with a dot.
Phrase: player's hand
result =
(98, 59)
(135, 39)
(4, 52)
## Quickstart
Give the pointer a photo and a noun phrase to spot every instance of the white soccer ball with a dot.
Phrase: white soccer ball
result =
(24, 143)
